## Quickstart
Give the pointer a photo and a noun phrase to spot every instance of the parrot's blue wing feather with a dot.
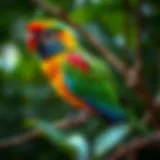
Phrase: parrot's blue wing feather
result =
(91, 81)
(109, 112)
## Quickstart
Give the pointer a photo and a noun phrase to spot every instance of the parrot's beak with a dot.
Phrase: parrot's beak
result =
(31, 44)
(33, 29)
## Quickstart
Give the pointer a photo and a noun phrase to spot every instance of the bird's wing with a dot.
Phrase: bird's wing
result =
(91, 80)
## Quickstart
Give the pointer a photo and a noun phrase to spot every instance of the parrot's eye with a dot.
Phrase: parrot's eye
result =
(49, 33)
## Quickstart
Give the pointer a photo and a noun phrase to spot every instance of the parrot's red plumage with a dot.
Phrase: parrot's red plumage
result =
(78, 61)
(34, 28)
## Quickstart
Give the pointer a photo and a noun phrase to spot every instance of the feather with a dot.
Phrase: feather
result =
(96, 89)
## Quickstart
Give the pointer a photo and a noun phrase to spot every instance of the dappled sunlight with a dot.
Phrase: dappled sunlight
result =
(9, 57)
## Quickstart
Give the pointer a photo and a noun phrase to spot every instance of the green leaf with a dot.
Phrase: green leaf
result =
(53, 134)
(81, 146)
(75, 145)
(110, 139)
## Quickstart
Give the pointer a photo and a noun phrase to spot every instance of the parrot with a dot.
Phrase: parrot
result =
(81, 79)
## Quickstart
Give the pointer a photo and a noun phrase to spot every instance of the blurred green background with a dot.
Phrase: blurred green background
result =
(24, 91)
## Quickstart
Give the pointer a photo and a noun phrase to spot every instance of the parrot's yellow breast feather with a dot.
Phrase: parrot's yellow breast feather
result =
(52, 68)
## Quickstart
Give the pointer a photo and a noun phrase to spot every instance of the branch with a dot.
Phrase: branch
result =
(135, 74)
(63, 124)
(138, 52)
(157, 100)
(134, 146)
(135, 78)
(126, 6)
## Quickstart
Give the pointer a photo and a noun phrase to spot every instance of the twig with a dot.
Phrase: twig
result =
(138, 52)
(135, 74)
(157, 100)
(131, 155)
(135, 145)
(126, 23)
(63, 124)
(135, 77)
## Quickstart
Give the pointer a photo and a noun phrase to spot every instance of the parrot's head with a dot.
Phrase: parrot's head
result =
(50, 37)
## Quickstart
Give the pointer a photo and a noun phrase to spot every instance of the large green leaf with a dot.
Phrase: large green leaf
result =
(75, 145)
(52, 133)
(110, 139)
(81, 146)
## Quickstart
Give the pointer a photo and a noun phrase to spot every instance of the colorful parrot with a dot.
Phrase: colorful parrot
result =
(82, 80)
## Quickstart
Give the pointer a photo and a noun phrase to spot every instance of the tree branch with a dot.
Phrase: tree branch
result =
(134, 146)
(126, 6)
(136, 76)
(138, 51)
(63, 124)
